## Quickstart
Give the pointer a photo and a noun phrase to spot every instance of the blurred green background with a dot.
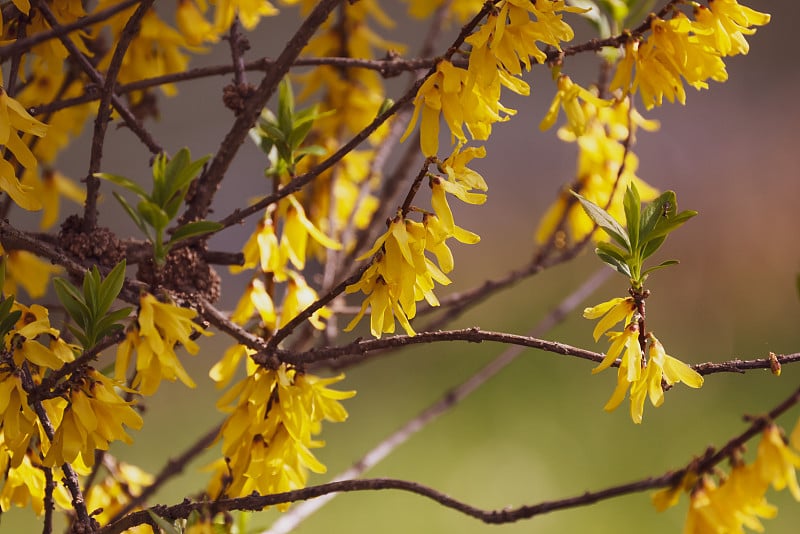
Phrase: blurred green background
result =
(537, 431)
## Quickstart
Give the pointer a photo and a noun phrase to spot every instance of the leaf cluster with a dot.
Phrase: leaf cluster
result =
(89, 306)
(156, 210)
(282, 137)
(644, 232)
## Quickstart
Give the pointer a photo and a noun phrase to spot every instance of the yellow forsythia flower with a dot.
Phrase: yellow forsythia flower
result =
(274, 415)
(93, 419)
(158, 329)
(13, 119)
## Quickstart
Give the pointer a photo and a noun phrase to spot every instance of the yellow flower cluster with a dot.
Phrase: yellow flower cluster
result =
(25, 485)
(401, 274)
(274, 257)
(739, 500)
(470, 98)
(605, 167)
(684, 49)
(93, 418)
(268, 436)
(159, 328)
(14, 119)
(643, 377)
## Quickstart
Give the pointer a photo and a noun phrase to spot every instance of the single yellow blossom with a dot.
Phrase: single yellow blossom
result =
(255, 298)
(728, 23)
(567, 97)
(612, 312)
(776, 462)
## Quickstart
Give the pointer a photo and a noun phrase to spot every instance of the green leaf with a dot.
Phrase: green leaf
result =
(605, 221)
(661, 265)
(633, 205)
(8, 322)
(91, 287)
(123, 182)
(183, 176)
(298, 135)
(153, 214)
(108, 324)
(163, 524)
(651, 246)
(194, 229)
(84, 340)
(665, 226)
(312, 150)
(132, 214)
(662, 207)
(274, 133)
(73, 302)
(110, 288)
(159, 178)
(285, 105)
(614, 262)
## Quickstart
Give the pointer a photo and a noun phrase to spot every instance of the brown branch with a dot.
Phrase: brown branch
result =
(61, 30)
(210, 180)
(70, 476)
(287, 329)
(172, 468)
(97, 78)
(130, 31)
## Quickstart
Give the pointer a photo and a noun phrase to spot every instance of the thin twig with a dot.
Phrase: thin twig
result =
(130, 31)
(172, 468)
(61, 30)
(209, 181)
(97, 78)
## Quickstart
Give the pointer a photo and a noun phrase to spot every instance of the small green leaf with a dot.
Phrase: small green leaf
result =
(194, 229)
(8, 322)
(84, 340)
(123, 182)
(273, 132)
(614, 262)
(132, 214)
(662, 207)
(163, 524)
(91, 287)
(108, 324)
(298, 135)
(605, 221)
(153, 214)
(633, 205)
(72, 301)
(665, 227)
(285, 105)
(110, 288)
(311, 150)
(661, 265)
